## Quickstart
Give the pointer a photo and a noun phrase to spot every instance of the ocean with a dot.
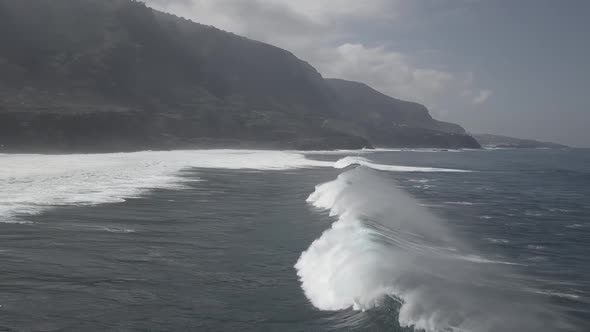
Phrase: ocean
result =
(238, 240)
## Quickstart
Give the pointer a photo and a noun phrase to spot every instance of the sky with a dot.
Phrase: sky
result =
(516, 68)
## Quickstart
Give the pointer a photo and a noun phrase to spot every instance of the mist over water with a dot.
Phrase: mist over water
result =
(207, 240)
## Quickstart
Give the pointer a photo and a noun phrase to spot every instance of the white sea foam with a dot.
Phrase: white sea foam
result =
(560, 210)
(537, 258)
(29, 184)
(577, 225)
(482, 260)
(559, 294)
(337, 152)
(425, 186)
(420, 180)
(431, 205)
(415, 150)
(531, 213)
(385, 244)
(495, 240)
(535, 247)
(349, 161)
(111, 229)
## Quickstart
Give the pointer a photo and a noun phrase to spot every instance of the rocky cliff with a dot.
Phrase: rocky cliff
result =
(386, 121)
(497, 141)
(109, 75)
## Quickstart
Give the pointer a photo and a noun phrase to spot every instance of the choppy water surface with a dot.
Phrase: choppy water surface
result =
(224, 240)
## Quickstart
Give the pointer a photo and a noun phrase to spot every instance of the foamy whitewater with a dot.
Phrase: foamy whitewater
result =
(30, 184)
(348, 161)
(384, 245)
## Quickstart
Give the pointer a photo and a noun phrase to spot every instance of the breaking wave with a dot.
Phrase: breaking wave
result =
(30, 184)
(384, 244)
(350, 161)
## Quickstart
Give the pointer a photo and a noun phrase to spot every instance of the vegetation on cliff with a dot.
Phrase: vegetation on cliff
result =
(90, 75)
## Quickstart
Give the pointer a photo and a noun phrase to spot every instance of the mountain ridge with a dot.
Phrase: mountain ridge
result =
(90, 75)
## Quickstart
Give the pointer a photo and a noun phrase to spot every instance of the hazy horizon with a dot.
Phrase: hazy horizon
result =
(522, 78)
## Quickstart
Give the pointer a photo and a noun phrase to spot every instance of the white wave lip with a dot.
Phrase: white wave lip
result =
(351, 161)
(419, 150)
(384, 244)
(30, 184)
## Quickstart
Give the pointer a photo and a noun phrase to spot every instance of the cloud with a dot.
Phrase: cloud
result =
(395, 74)
(329, 11)
(324, 34)
(288, 24)
(482, 97)
(321, 12)
(259, 18)
(387, 71)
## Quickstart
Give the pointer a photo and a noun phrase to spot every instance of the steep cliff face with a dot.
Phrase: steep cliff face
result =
(387, 121)
(497, 141)
(115, 75)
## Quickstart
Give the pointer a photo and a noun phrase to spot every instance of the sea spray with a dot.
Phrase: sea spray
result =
(384, 243)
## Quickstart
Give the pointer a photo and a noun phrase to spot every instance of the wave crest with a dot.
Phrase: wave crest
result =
(385, 244)
(353, 160)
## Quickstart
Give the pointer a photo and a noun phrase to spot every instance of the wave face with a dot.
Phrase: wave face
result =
(350, 161)
(384, 244)
(30, 184)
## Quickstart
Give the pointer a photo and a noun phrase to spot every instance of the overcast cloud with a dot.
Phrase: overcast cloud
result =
(421, 50)
(322, 33)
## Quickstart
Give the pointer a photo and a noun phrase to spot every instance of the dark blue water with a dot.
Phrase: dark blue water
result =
(219, 254)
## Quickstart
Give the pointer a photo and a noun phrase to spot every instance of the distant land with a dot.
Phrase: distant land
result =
(497, 141)
(116, 75)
